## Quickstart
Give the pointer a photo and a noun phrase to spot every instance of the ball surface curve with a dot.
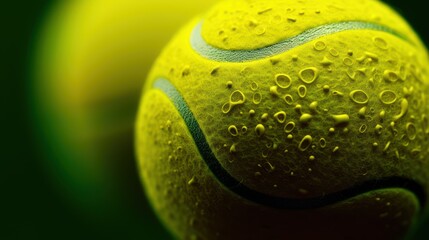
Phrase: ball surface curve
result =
(287, 119)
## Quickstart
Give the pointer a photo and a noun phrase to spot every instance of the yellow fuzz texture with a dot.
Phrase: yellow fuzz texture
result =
(319, 118)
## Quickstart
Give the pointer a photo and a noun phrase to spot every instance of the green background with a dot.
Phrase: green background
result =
(30, 206)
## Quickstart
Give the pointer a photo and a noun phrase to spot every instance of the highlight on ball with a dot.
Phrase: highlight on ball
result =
(288, 119)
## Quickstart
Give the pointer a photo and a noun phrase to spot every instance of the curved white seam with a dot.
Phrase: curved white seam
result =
(213, 53)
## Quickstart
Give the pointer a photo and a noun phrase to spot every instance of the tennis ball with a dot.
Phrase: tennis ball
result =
(287, 119)
(90, 61)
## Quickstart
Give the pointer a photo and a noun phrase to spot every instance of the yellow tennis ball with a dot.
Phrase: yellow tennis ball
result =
(90, 62)
(287, 119)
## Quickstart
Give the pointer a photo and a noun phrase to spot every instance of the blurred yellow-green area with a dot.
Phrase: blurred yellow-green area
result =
(72, 74)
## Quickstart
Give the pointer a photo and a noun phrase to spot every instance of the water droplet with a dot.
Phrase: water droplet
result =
(290, 136)
(214, 71)
(264, 117)
(326, 62)
(302, 91)
(312, 158)
(359, 96)
(275, 146)
(333, 52)
(375, 144)
(232, 149)
(305, 143)
(257, 98)
(408, 91)
(382, 115)
(192, 181)
(404, 109)
(253, 23)
(338, 93)
(280, 116)
(283, 80)
(319, 45)
(322, 142)
(390, 76)
(288, 99)
(254, 86)
(397, 155)
(305, 118)
(308, 75)
(380, 43)
(415, 151)
(237, 97)
(226, 107)
(274, 60)
(378, 129)
(387, 97)
(386, 146)
(274, 91)
(336, 148)
(260, 130)
(351, 74)
(233, 130)
(392, 125)
(289, 127)
(348, 61)
(341, 119)
(362, 112)
(331, 130)
(326, 88)
(369, 57)
(404, 139)
(251, 113)
(363, 128)
(411, 131)
(313, 106)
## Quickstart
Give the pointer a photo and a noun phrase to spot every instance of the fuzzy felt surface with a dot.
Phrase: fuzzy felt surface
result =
(333, 112)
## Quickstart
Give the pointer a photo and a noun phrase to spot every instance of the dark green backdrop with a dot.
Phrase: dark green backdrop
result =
(30, 207)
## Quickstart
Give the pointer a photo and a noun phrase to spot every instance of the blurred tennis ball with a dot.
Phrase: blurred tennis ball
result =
(286, 119)
(91, 60)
